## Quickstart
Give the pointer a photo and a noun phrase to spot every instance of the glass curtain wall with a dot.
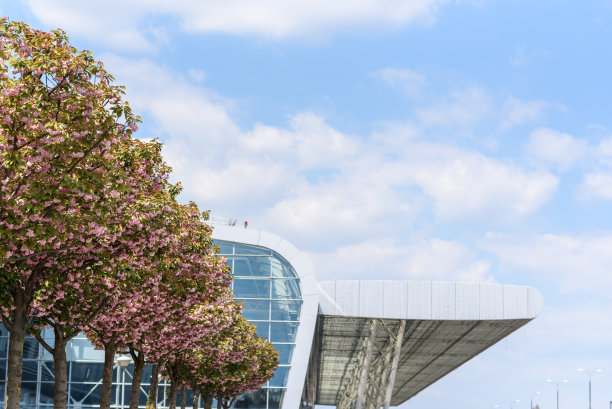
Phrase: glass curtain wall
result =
(270, 290)
(264, 281)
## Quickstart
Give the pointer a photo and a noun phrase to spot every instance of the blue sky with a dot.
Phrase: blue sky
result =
(423, 139)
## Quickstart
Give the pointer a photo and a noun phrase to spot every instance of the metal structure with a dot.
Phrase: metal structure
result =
(370, 384)
(382, 342)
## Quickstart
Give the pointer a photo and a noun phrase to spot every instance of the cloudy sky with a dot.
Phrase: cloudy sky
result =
(395, 139)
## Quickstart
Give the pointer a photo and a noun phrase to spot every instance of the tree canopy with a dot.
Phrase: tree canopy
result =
(92, 237)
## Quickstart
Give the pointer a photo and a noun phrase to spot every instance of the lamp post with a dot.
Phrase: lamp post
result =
(512, 403)
(557, 383)
(532, 395)
(589, 373)
(123, 362)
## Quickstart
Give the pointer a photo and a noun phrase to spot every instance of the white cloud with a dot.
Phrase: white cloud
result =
(308, 177)
(517, 112)
(114, 23)
(309, 139)
(556, 148)
(197, 75)
(348, 208)
(384, 259)
(281, 18)
(188, 114)
(121, 25)
(466, 184)
(410, 82)
(573, 263)
(605, 147)
(465, 107)
(596, 185)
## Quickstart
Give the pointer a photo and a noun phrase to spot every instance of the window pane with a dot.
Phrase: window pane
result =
(30, 371)
(47, 371)
(87, 372)
(28, 393)
(280, 376)
(251, 266)
(251, 250)
(224, 246)
(86, 393)
(260, 266)
(4, 347)
(80, 349)
(283, 331)
(286, 310)
(275, 398)
(46, 393)
(256, 309)
(30, 348)
(2, 370)
(252, 400)
(285, 288)
(245, 288)
(3, 331)
(280, 268)
(146, 375)
(286, 351)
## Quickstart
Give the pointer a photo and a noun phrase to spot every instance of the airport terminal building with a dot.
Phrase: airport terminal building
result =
(349, 344)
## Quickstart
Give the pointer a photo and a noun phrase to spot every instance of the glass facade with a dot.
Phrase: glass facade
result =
(265, 282)
(270, 290)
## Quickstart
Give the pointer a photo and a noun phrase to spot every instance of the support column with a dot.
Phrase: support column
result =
(366, 365)
(399, 339)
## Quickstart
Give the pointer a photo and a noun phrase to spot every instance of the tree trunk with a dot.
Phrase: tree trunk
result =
(183, 397)
(173, 394)
(139, 362)
(196, 398)
(152, 400)
(15, 358)
(207, 401)
(107, 376)
(60, 392)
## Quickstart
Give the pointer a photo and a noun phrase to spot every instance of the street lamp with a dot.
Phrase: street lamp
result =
(589, 373)
(557, 383)
(123, 362)
(532, 395)
(512, 403)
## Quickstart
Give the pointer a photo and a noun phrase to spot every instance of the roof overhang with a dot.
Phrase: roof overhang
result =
(379, 343)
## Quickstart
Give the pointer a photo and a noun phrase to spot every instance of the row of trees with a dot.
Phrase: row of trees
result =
(93, 239)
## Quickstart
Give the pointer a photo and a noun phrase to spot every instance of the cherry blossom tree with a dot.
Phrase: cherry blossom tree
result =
(235, 362)
(70, 299)
(155, 320)
(257, 366)
(69, 177)
(184, 333)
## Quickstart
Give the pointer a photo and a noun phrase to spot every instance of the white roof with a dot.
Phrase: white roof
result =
(428, 300)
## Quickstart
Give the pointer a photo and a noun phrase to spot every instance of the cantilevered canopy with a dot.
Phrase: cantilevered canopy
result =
(378, 343)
